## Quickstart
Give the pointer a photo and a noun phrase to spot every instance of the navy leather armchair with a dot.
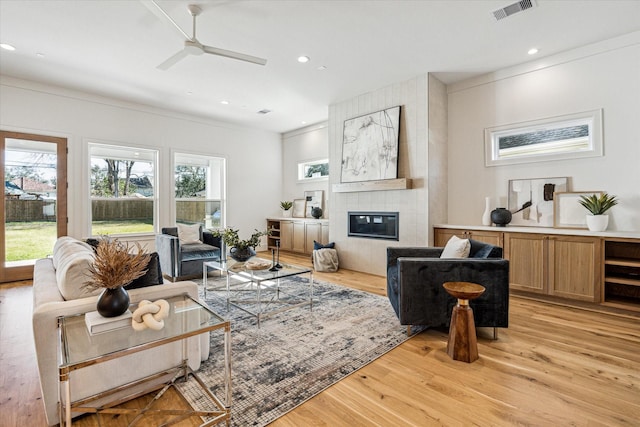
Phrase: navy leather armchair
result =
(415, 276)
(179, 261)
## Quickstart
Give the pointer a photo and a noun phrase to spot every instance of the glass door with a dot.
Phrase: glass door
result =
(34, 207)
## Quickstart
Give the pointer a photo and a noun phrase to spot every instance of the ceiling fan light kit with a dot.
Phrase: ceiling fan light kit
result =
(191, 45)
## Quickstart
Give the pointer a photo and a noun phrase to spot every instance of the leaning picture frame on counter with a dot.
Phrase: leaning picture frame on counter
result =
(568, 212)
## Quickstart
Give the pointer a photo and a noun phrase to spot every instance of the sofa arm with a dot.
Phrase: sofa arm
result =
(393, 253)
(168, 248)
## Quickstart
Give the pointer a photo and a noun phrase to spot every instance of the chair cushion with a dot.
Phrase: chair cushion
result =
(318, 245)
(456, 248)
(188, 234)
(198, 251)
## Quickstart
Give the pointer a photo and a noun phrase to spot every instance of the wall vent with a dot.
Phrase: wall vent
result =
(513, 8)
(264, 111)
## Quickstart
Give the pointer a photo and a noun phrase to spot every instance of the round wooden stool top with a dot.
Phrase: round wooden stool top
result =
(464, 290)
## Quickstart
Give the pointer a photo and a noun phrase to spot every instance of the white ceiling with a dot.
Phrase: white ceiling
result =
(112, 48)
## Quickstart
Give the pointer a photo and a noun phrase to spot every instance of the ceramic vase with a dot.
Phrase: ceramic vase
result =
(316, 213)
(597, 222)
(501, 217)
(241, 254)
(286, 214)
(486, 216)
(113, 302)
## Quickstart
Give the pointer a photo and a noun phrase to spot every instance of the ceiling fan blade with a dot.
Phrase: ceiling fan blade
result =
(234, 55)
(163, 16)
(173, 60)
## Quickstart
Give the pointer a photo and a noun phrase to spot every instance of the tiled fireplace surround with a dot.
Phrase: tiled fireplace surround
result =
(422, 158)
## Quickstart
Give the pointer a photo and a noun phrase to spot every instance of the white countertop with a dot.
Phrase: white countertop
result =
(546, 230)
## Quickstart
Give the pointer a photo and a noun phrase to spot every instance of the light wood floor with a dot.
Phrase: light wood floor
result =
(553, 366)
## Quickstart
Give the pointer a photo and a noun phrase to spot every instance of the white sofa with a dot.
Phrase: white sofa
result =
(61, 274)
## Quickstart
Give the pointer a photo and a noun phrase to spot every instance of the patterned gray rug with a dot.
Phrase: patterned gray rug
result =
(298, 353)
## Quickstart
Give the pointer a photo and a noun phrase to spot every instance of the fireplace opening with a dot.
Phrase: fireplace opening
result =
(374, 225)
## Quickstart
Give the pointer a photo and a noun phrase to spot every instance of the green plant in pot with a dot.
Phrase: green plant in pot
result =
(597, 205)
(286, 208)
(240, 250)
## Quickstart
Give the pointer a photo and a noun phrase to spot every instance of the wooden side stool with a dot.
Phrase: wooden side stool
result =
(463, 343)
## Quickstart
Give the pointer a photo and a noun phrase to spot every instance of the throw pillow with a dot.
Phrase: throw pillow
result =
(153, 276)
(188, 234)
(317, 245)
(456, 248)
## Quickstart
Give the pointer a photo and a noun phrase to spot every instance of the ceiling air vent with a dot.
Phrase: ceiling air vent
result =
(513, 8)
(265, 111)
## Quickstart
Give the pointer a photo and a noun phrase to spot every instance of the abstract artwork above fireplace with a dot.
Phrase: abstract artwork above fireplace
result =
(370, 146)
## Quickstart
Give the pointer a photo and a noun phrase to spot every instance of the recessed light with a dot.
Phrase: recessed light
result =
(224, 102)
(189, 92)
(303, 59)
(6, 46)
(322, 68)
(303, 122)
(40, 54)
(532, 51)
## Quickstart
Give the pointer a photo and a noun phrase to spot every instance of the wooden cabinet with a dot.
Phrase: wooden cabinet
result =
(297, 235)
(442, 236)
(622, 273)
(560, 265)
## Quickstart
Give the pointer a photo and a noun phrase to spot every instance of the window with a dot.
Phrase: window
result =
(316, 169)
(199, 189)
(123, 189)
(564, 137)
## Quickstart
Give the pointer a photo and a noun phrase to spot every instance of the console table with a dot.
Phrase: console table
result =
(187, 318)
(601, 268)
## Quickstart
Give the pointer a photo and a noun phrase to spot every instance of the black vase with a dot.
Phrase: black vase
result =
(241, 254)
(500, 217)
(316, 213)
(113, 302)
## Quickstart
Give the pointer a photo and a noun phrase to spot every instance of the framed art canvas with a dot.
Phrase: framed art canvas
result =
(298, 208)
(531, 200)
(313, 199)
(569, 213)
(370, 146)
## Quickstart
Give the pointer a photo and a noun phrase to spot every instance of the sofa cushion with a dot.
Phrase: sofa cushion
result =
(198, 251)
(153, 276)
(189, 234)
(456, 248)
(318, 245)
(73, 259)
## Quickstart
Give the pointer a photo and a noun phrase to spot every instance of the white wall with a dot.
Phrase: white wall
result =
(303, 145)
(254, 157)
(604, 75)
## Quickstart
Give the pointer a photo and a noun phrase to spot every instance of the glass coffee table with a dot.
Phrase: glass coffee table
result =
(259, 289)
(187, 318)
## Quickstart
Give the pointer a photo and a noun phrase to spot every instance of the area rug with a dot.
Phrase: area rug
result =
(296, 354)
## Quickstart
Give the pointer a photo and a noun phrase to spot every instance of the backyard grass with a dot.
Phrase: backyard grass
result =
(34, 240)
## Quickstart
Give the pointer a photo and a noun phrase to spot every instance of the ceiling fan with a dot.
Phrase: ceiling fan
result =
(191, 44)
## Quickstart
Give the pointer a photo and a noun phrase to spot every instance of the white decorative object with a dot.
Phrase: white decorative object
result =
(150, 315)
(597, 222)
(456, 248)
(486, 215)
(287, 213)
(97, 324)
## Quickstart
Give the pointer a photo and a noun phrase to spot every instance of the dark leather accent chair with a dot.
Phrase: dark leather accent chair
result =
(414, 285)
(180, 261)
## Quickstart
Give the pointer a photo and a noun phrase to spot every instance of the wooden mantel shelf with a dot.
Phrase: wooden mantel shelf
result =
(381, 185)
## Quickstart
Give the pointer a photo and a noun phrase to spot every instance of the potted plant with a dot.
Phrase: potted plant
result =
(597, 205)
(240, 250)
(286, 208)
(114, 267)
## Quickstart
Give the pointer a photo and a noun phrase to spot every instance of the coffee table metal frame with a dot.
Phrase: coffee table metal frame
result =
(260, 293)
(190, 317)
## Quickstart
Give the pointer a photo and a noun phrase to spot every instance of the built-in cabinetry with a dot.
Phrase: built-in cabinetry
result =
(297, 235)
(563, 263)
(621, 272)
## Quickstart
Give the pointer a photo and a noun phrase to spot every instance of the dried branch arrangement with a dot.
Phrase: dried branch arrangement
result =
(115, 265)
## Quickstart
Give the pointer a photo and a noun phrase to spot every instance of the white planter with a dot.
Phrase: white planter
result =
(286, 214)
(597, 222)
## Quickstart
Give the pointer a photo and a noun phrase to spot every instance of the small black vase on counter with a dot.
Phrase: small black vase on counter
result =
(500, 217)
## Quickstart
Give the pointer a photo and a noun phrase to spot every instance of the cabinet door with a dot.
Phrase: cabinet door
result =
(298, 237)
(575, 267)
(312, 232)
(527, 255)
(286, 235)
